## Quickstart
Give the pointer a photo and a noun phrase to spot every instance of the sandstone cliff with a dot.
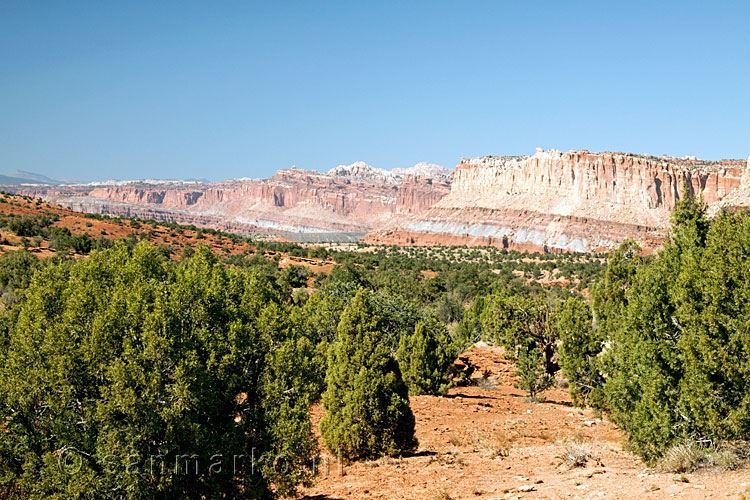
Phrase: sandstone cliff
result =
(575, 201)
(293, 200)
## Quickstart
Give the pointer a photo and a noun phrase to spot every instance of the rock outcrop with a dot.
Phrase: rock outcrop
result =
(364, 172)
(575, 201)
(356, 198)
(549, 201)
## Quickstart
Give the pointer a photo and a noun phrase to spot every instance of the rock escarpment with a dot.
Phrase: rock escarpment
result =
(574, 201)
(357, 199)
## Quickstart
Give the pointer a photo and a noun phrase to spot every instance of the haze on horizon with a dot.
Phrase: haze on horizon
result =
(93, 91)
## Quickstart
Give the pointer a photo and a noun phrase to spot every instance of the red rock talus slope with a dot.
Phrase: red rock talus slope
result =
(359, 200)
(575, 201)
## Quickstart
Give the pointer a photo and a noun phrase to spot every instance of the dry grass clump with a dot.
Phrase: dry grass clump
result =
(576, 455)
(446, 459)
(496, 444)
(442, 495)
(458, 439)
(486, 382)
(689, 456)
(384, 460)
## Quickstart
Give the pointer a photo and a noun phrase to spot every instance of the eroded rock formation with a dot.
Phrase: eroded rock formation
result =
(574, 201)
(355, 200)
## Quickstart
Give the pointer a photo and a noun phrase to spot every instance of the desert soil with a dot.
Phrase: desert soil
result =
(77, 222)
(489, 442)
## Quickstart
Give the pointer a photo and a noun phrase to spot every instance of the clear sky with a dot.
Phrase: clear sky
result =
(126, 89)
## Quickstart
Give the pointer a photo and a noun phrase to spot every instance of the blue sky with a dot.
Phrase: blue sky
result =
(93, 90)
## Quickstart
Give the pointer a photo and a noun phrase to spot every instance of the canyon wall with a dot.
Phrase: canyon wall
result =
(293, 200)
(548, 201)
(574, 201)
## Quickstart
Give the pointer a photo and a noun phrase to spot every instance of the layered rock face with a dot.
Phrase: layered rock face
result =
(574, 201)
(550, 201)
(359, 199)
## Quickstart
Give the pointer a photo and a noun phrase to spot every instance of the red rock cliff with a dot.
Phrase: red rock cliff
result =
(575, 201)
(292, 200)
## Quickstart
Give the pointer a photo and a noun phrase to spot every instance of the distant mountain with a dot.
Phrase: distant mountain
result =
(23, 177)
(4, 179)
(577, 201)
(427, 170)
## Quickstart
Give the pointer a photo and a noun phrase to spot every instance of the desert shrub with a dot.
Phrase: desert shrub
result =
(425, 358)
(27, 225)
(81, 243)
(366, 400)
(516, 322)
(294, 276)
(449, 307)
(124, 356)
(531, 373)
(580, 346)
(469, 329)
(60, 238)
(16, 270)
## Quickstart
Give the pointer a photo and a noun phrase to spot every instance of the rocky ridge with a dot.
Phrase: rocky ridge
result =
(574, 201)
(354, 198)
(549, 201)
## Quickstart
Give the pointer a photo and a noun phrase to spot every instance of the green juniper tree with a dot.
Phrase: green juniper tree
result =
(676, 366)
(366, 400)
(579, 350)
(426, 357)
(532, 376)
(123, 357)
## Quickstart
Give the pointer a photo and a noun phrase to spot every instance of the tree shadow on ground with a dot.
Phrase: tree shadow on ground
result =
(468, 396)
(541, 401)
(422, 453)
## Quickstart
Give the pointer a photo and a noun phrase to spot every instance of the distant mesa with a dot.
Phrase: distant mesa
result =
(348, 200)
(575, 201)
(549, 201)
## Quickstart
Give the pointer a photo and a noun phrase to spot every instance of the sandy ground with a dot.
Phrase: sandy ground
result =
(488, 442)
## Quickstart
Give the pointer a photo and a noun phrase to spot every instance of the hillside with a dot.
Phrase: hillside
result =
(484, 438)
(96, 232)
(350, 199)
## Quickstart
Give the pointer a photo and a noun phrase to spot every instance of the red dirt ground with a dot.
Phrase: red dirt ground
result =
(490, 443)
(77, 222)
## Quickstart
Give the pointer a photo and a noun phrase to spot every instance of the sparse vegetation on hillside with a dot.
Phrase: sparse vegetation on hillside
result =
(655, 343)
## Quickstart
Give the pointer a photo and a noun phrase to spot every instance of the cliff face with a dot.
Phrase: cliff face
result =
(575, 201)
(292, 200)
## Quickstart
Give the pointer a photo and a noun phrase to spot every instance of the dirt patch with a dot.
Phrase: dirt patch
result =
(489, 442)
(158, 234)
